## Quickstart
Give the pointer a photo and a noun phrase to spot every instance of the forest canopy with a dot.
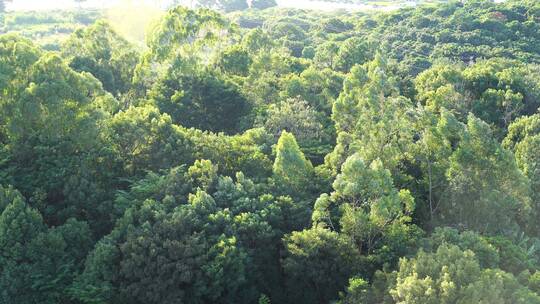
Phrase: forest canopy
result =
(266, 155)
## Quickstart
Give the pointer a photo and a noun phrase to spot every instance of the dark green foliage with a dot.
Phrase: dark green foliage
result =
(202, 100)
(235, 60)
(206, 228)
(197, 269)
(41, 262)
(485, 252)
(460, 31)
(318, 264)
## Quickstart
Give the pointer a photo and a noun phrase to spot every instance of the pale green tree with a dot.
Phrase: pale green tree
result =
(365, 204)
(291, 168)
(371, 118)
(451, 275)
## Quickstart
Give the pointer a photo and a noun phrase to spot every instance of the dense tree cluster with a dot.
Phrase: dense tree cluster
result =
(276, 156)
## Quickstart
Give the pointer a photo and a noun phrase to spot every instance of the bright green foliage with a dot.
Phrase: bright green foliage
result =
(294, 115)
(193, 36)
(46, 28)
(257, 40)
(370, 118)
(497, 90)
(438, 88)
(319, 88)
(292, 170)
(527, 158)
(511, 255)
(524, 139)
(7, 196)
(369, 210)
(264, 300)
(203, 174)
(438, 134)
(188, 260)
(522, 129)
(53, 98)
(351, 52)
(372, 187)
(188, 29)
(16, 57)
(248, 152)
(147, 140)
(534, 281)
(470, 180)
(460, 32)
(370, 198)
(263, 82)
(485, 252)
(325, 55)
(99, 50)
(357, 292)
(342, 57)
(451, 275)
(486, 189)
(318, 262)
